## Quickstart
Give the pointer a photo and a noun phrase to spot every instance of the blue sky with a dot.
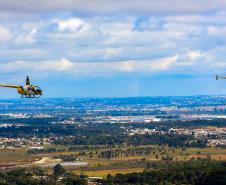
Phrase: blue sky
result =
(114, 48)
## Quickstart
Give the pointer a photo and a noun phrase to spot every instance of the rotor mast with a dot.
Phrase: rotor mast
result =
(28, 81)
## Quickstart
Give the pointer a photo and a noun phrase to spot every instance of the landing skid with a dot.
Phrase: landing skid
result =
(30, 96)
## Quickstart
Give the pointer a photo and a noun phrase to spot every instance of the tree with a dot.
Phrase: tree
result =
(74, 180)
(58, 170)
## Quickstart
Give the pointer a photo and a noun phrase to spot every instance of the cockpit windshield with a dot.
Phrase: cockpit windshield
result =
(36, 88)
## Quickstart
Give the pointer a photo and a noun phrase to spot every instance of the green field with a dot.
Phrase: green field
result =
(101, 167)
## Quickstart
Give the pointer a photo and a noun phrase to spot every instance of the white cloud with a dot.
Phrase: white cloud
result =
(60, 65)
(44, 66)
(112, 52)
(162, 64)
(87, 68)
(26, 38)
(113, 44)
(23, 53)
(135, 66)
(191, 58)
(180, 29)
(73, 25)
(5, 34)
(217, 31)
(194, 55)
(213, 18)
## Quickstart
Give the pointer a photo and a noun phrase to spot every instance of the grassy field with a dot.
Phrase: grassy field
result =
(104, 173)
(14, 155)
(122, 164)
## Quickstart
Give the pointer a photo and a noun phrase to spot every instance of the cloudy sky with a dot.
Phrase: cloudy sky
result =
(114, 48)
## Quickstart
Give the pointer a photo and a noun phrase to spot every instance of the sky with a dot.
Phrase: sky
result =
(114, 48)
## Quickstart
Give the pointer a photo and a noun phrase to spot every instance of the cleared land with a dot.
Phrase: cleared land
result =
(102, 166)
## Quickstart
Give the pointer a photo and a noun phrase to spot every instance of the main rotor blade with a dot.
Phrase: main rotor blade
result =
(10, 86)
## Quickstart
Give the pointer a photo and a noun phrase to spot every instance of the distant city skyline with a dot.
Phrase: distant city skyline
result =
(102, 48)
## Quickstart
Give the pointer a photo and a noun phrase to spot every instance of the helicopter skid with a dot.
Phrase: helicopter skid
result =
(30, 96)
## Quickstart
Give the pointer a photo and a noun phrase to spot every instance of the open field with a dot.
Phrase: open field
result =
(104, 173)
(17, 155)
(101, 166)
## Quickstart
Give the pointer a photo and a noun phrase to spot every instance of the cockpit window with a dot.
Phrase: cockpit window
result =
(37, 88)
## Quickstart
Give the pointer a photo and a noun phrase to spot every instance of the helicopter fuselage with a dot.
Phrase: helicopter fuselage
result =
(29, 91)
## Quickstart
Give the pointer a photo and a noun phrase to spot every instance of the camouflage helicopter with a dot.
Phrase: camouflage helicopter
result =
(26, 91)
